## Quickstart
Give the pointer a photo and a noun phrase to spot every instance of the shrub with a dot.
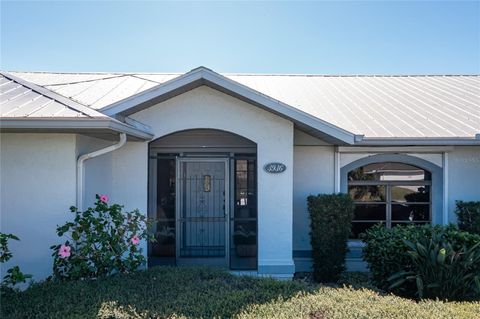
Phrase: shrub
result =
(330, 222)
(14, 275)
(389, 252)
(468, 215)
(198, 292)
(101, 241)
(385, 252)
(356, 279)
(440, 270)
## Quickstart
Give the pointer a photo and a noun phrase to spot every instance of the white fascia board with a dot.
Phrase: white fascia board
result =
(426, 141)
(395, 149)
(230, 86)
(84, 124)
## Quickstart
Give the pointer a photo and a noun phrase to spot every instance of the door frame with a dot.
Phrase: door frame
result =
(178, 208)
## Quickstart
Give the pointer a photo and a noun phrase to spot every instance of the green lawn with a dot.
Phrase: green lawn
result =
(164, 292)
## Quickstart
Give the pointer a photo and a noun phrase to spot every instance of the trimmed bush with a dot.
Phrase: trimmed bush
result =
(167, 292)
(101, 241)
(468, 215)
(330, 223)
(424, 261)
(385, 252)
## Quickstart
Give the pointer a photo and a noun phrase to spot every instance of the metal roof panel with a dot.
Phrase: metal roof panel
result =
(374, 106)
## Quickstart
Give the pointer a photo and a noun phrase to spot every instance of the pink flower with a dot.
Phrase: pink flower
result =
(64, 251)
(135, 240)
(104, 198)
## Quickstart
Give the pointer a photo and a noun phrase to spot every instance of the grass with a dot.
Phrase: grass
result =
(164, 292)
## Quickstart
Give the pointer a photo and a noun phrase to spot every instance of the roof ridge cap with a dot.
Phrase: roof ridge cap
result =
(119, 73)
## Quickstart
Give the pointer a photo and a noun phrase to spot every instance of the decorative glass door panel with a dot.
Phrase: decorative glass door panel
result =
(202, 212)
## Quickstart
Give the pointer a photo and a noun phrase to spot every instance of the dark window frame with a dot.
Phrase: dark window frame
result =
(388, 202)
(232, 218)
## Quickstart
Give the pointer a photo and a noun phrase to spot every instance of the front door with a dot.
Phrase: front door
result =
(202, 211)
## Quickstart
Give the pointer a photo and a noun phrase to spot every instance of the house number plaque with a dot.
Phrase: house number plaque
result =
(274, 168)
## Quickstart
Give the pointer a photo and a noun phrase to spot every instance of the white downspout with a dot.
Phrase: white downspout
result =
(336, 169)
(84, 157)
(445, 188)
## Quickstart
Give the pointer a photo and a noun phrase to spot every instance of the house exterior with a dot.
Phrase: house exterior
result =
(224, 163)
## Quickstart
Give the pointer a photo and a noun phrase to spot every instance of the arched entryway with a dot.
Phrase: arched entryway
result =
(203, 196)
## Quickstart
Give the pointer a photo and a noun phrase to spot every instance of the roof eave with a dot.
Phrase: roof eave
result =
(424, 141)
(55, 96)
(204, 76)
(80, 125)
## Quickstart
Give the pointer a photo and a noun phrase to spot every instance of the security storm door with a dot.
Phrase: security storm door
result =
(202, 211)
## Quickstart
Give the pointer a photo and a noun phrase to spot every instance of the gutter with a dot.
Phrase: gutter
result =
(84, 157)
(426, 141)
(69, 125)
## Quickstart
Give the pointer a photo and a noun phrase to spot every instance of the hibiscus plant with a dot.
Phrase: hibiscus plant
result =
(101, 241)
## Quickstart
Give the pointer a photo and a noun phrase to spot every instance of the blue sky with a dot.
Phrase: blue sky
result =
(246, 37)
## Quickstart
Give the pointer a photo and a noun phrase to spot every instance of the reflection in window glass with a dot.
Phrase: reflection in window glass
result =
(370, 212)
(411, 193)
(243, 223)
(388, 171)
(410, 212)
(391, 193)
(367, 193)
(165, 209)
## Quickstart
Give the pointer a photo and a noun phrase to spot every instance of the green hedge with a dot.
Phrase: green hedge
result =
(468, 215)
(330, 222)
(391, 251)
(167, 292)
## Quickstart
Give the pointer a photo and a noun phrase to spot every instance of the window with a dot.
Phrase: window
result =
(164, 212)
(243, 222)
(391, 193)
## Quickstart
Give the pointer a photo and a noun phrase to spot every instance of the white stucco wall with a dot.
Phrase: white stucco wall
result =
(313, 174)
(98, 176)
(204, 107)
(463, 176)
(37, 187)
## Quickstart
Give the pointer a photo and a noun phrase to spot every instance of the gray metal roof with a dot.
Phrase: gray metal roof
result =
(375, 106)
(19, 99)
(25, 106)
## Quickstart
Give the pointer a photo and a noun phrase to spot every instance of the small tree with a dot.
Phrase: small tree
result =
(330, 222)
(101, 241)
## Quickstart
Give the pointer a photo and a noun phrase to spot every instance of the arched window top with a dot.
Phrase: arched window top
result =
(389, 171)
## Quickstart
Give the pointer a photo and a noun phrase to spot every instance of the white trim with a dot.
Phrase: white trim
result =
(395, 149)
(445, 187)
(82, 125)
(419, 141)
